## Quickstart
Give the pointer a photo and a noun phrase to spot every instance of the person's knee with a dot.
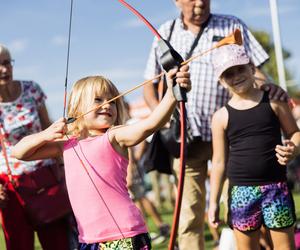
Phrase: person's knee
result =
(191, 223)
(247, 240)
(283, 238)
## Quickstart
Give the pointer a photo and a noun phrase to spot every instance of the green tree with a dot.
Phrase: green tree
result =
(270, 67)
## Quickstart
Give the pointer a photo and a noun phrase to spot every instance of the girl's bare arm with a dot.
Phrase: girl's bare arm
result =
(219, 124)
(133, 134)
(291, 131)
(42, 145)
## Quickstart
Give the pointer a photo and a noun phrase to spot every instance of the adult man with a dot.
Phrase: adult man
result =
(204, 99)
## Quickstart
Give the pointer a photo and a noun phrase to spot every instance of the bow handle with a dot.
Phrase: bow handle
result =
(169, 59)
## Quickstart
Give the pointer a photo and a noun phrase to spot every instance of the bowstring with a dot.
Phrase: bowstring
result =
(68, 59)
(64, 114)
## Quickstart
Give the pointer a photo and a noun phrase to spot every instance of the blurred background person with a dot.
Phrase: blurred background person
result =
(23, 112)
(196, 30)
(137, 189)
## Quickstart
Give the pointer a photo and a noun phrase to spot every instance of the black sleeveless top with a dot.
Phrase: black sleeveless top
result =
(252, 136)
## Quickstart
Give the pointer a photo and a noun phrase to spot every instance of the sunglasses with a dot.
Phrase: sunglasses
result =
(7, 63)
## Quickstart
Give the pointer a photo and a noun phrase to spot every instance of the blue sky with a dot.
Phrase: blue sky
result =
(109, 40)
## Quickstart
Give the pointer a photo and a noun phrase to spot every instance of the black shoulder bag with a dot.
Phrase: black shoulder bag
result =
(156, 156)
(166, 141)
(171, 136)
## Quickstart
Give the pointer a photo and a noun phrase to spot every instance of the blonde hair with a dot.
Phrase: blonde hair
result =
(82, 97)
(4, 50)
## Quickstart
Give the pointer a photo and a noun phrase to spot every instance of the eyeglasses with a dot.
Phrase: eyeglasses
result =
(7, 63)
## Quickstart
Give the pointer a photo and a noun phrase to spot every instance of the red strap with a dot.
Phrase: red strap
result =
(2, 138)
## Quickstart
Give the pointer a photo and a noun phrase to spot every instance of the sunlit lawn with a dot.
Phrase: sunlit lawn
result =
(167, 216)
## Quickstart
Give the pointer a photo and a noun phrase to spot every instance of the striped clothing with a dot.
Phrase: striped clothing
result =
(206, 95)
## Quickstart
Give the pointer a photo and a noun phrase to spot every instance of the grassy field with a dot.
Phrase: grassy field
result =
(167, 216)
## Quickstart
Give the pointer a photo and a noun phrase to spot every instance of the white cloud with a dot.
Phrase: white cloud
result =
(124, 78)
(286, 10)
(27, 72)
(133, 23)
(265, 11)
(59, 40)
(18, 45)
(155, 20)
(115, 74)
(121, 74)
(260, 12)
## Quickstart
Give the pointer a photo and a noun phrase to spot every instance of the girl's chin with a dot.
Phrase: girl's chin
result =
(101, 127)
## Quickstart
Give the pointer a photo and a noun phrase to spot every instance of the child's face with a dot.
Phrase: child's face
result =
(238, 78)
(103, 118)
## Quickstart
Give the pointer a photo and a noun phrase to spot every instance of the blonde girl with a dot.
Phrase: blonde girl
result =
(96, 157)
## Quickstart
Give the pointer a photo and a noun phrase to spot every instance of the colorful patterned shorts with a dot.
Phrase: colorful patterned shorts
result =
(252, 206)
(138, 242)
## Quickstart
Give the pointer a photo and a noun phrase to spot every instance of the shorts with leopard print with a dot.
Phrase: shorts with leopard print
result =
(138, 242)
(252, 206)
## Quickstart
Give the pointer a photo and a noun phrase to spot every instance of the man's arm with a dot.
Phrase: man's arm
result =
(258, 57)
(265, 84)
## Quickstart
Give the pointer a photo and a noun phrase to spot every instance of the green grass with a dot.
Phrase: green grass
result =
(167, 217)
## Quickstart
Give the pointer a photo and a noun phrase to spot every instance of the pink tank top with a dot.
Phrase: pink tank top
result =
(111, 214)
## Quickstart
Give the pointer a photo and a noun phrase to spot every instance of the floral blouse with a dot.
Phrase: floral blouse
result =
(18, 119)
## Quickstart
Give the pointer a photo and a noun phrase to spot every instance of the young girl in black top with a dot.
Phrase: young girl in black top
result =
(247, 146)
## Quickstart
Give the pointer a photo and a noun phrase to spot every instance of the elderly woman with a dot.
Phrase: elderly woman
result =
(22, 112)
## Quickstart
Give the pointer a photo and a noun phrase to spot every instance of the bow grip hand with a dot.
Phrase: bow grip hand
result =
(169, 59)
